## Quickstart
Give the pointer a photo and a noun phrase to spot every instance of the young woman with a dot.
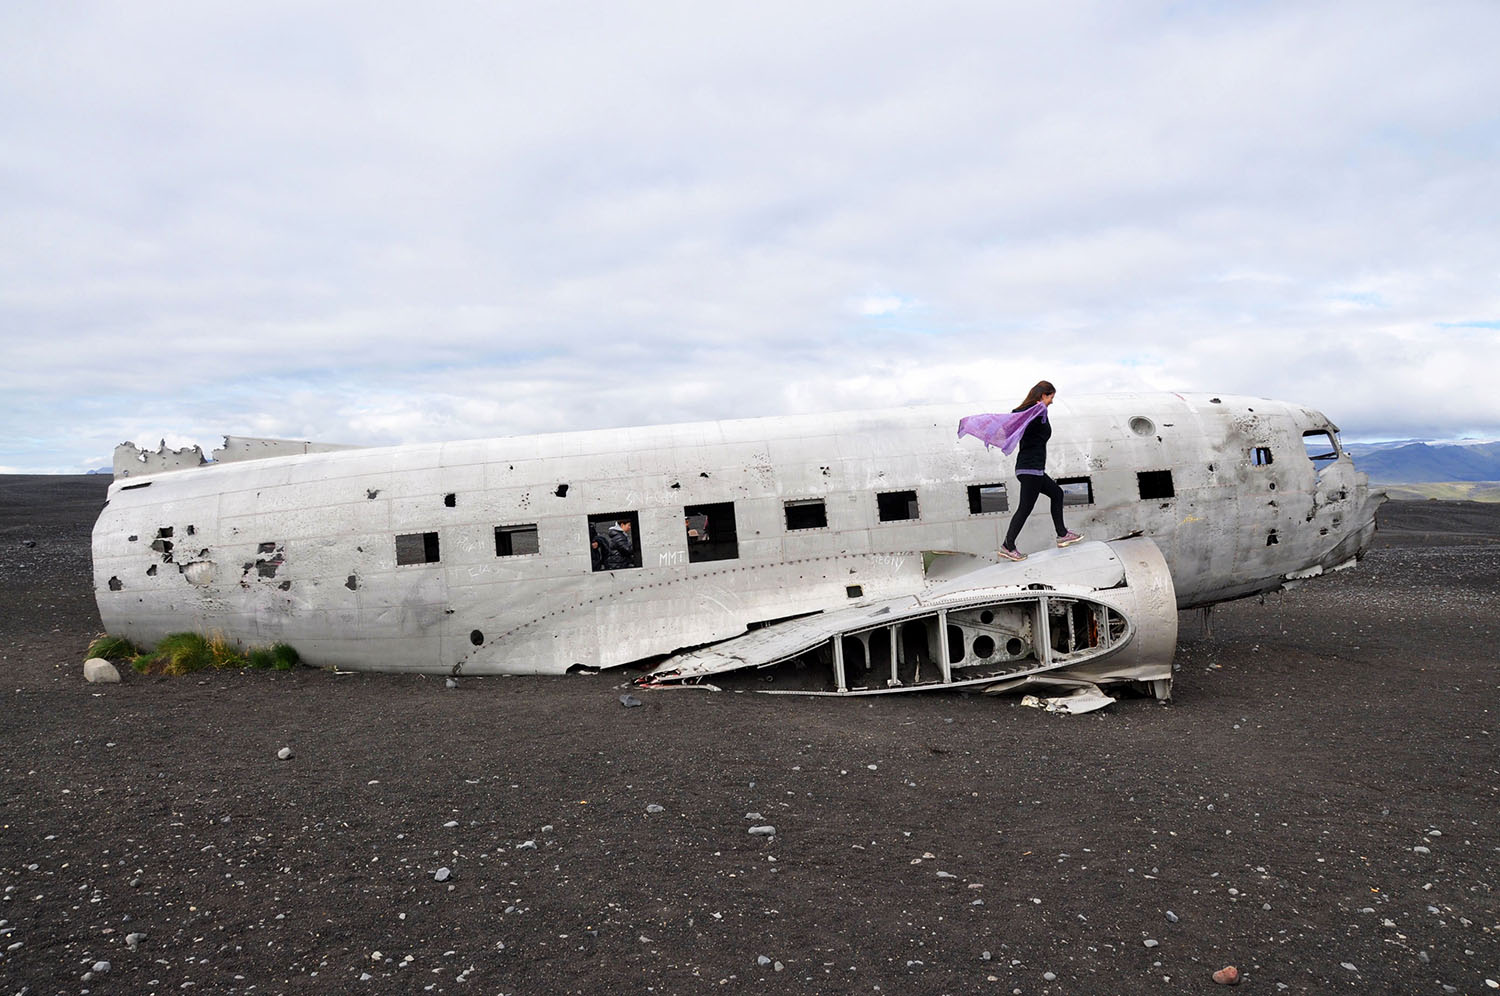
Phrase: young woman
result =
(1031, 469)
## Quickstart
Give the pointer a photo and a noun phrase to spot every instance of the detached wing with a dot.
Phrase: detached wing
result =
(1096, 612)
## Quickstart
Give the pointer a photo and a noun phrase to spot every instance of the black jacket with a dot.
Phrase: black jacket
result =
(619, 552)
(1032, 453)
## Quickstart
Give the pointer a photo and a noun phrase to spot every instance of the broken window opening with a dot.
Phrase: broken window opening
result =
(1155, 484)
(516, 541)
(1320, 445)
(986, 498)
(854, 590)
(896, 506)
(476, 637)
(809, 513)
(562, 491)
(1077, 490)
(618, 537)
(115, 584)
(711, 533)
(450, 499)
(1271, 539)
(417, 548)
(132, 487)
(1074, 626)
(1262, 456)
(165, 532)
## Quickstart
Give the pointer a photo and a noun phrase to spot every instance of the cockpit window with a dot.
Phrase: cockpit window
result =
(1320, 445)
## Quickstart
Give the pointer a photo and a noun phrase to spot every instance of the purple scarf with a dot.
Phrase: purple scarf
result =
(1003, 431)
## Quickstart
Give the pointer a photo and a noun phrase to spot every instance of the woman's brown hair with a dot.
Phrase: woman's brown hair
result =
(1035, 394)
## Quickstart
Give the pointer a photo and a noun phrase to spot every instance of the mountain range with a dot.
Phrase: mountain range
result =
(1414, 461)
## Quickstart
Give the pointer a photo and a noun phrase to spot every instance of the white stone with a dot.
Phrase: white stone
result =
(100, 671)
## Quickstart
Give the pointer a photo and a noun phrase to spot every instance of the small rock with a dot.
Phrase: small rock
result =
(100, 967)
(1049, 976)
(1424, 957)
(763, 831)
(133, 941)
(630, 701)
(654, 808)
(441, 875)
(1171, 917)
(135, 883)
(985, 956)
(450, 824)
(754, 817)
(29, 544)
(778, 966)
(100, 671)
(1150, 943)
(762, 960)
(1348, 965)
(1419, 849)
(526, 845)
(1227, 976)
(451, 682)
(284, 753)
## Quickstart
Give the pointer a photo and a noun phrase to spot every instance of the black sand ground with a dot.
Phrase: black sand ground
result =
(1317, 807)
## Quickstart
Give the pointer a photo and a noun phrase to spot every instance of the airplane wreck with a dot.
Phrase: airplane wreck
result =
(840, 554)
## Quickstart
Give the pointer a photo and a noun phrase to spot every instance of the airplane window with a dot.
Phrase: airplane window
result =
(806, 514)
(897, 505)
(987, 498)
(416, 548)
(1077, 490)
(1155, 484)
(516, 541)
(1320, 445)
(710, 532)
(1262, 456)
(618, 541)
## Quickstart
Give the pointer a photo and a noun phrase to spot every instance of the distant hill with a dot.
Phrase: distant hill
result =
(1414, 461)
(1485, 491)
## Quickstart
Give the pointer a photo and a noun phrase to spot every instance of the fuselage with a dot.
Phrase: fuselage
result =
(476, 556)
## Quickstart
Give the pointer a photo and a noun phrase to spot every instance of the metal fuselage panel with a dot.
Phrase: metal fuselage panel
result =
(303, 549)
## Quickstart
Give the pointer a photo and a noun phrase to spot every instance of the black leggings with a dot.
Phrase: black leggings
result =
(1031, 486)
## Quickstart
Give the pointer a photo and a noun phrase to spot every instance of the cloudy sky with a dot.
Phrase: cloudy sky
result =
(379, 223)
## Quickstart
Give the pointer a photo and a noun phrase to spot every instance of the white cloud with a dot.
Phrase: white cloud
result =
(344, 223)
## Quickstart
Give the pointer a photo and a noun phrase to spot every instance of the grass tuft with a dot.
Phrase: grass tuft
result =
(185, 653)
(285, 656)
(111, 648)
